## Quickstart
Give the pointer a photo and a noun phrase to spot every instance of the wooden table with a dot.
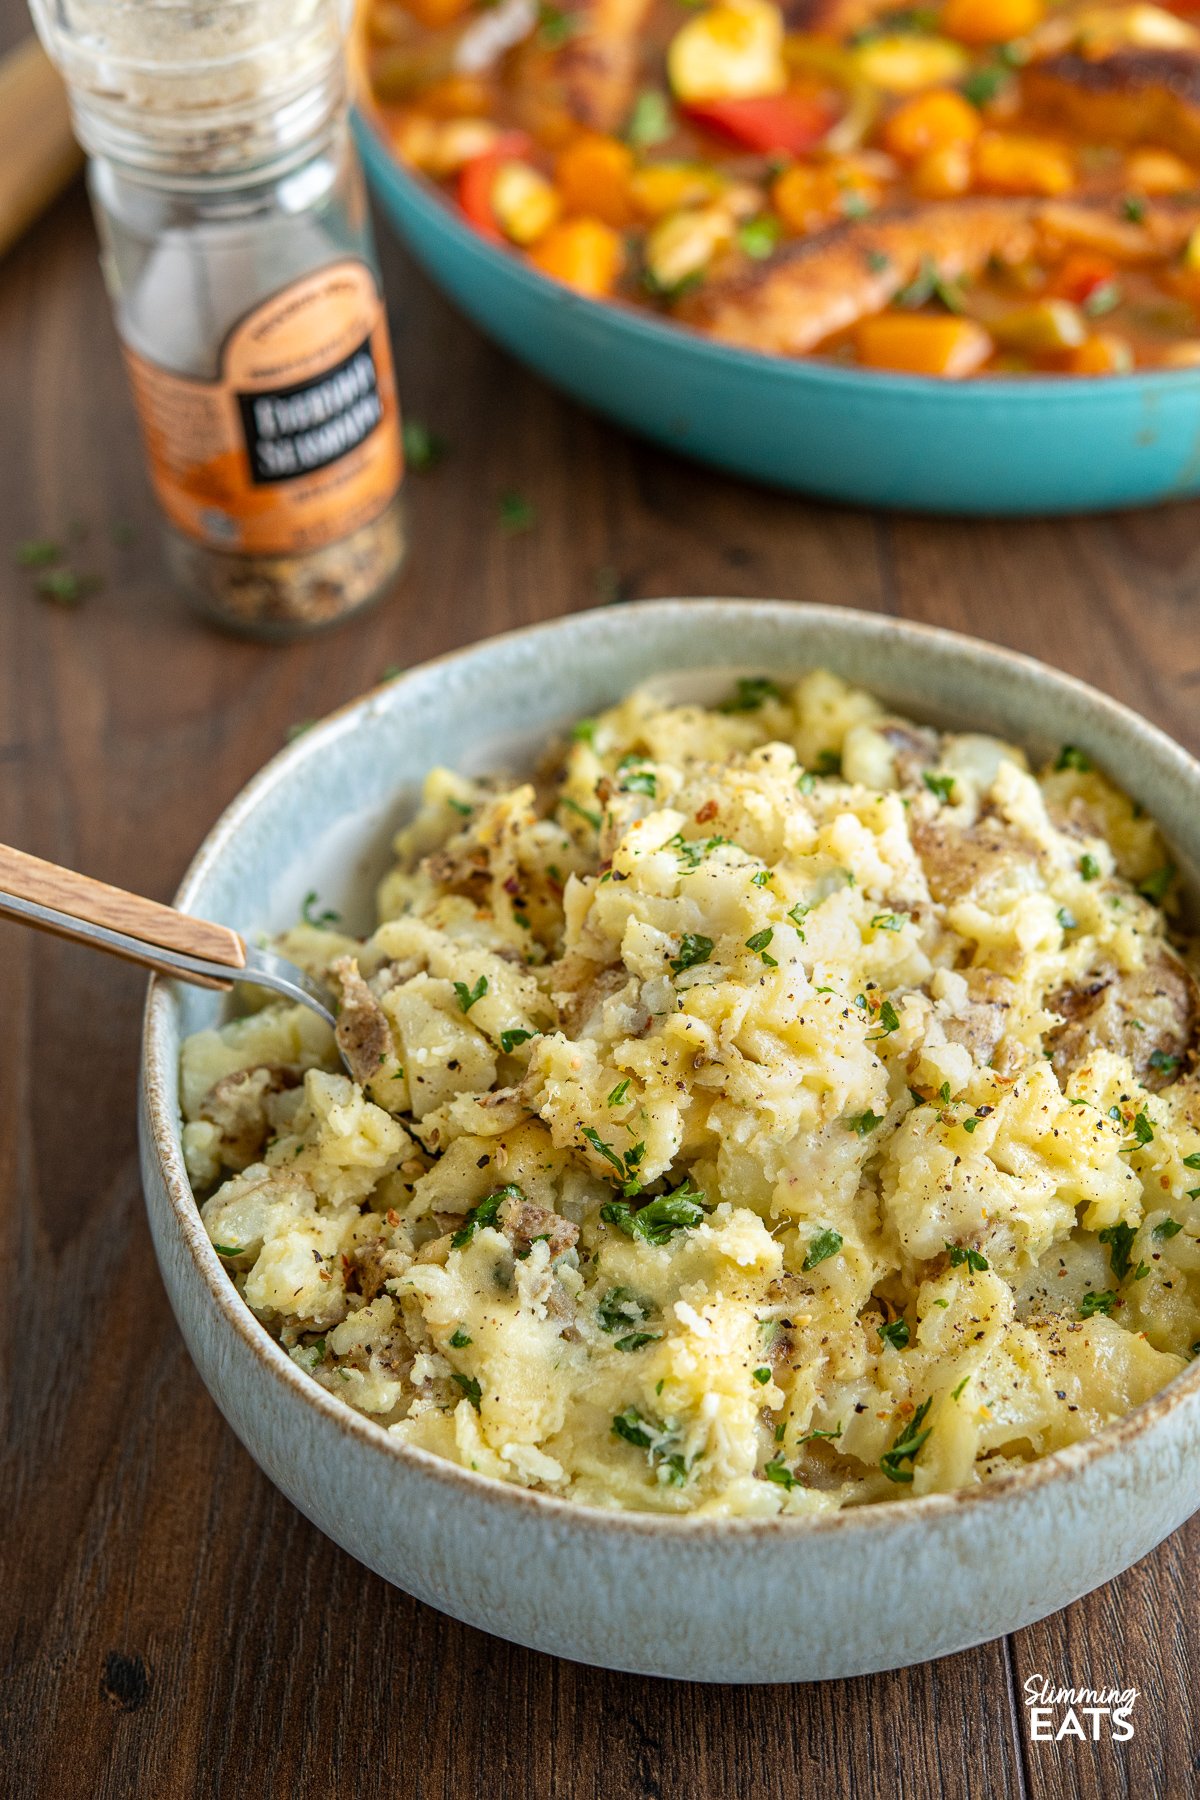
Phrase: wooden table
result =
(172, 1627)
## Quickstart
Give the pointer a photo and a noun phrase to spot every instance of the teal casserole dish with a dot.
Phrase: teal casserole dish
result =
(1033, 445)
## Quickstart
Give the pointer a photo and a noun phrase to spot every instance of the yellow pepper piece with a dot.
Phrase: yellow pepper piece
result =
(922, 344)
(1045, 326)
(1158, 172)
(904, 64)
(662, 188)
(732, 51)
(1008, 163)
(524, 202)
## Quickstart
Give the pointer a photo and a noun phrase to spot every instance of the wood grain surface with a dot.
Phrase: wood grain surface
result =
(170, 1625)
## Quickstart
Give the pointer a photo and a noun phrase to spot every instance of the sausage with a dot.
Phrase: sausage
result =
(1131, 97)
(363, 1034)
(815, 286)
(523, 1224)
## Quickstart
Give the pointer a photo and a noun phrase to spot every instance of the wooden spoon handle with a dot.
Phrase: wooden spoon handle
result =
(95, 903)
(38, 155)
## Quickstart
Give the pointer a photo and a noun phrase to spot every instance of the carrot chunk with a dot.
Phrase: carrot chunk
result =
(584, 254)
(990, 21)
(931, 122)
(922, 344)
(593, 178)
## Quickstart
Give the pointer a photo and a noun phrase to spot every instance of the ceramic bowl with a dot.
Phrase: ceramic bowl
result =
(655, 1595)
(1045, 444)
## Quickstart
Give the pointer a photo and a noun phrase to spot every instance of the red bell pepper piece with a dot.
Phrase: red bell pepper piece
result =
(789, 124)
(477, 178)
(1081, 275)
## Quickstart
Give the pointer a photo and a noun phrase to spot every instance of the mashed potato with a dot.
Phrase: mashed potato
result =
(766, 1109)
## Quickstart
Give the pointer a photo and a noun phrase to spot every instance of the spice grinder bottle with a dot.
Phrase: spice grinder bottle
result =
(238, 254)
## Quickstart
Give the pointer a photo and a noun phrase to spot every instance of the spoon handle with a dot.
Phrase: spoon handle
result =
(76, 906)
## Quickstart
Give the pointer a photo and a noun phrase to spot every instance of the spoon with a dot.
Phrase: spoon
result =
(143, 931)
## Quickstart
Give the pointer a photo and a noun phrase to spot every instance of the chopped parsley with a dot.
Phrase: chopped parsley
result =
(806, 782)
(797, 914)
(1089, 868)
(1119, 1239)
(584, 732)
(1143, 1131)
(635, 779)
(626, 1165)
(1102, 1302)
(1067, 919)
(691, 855)
(878, 261)
(619, 1092)
(758, 237)
(889, 1020)
(940, 786)
(970, 1125)
(581, 812)
(889, 921)
(907, 1446)
(752, 691)
(762, 1376)
(1155, 886)
(658, 1220)
(829, 762)
(864, 1123)
(1163, 1062)
(1133, 208)
(516, 514)
(484, 1214)
(693, 950)
(320, 921)
(982, 85)
(637, 1430)
(63, 587)
(827, 1243)
(468, 996)
(896, 1334)
(555, 26)
(760, 878)
(1192, 1161)
(460, 1339)
(423, 449)
(650, 122)
(469, 1386)
(778, 1471)
(1169, 1228)
(620, 1307)
(962, 1253)
(228, 1249)
(1071, 757)
(758, 943)
(510, 1039)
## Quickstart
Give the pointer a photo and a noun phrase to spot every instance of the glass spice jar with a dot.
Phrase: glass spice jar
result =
(238, 254)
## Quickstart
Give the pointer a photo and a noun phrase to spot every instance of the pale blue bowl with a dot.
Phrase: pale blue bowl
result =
(1050, 445)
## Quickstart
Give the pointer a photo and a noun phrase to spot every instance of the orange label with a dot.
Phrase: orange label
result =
(297, 442)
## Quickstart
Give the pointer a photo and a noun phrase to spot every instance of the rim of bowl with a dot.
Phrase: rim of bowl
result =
(1057, 1465)
(802, 370)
